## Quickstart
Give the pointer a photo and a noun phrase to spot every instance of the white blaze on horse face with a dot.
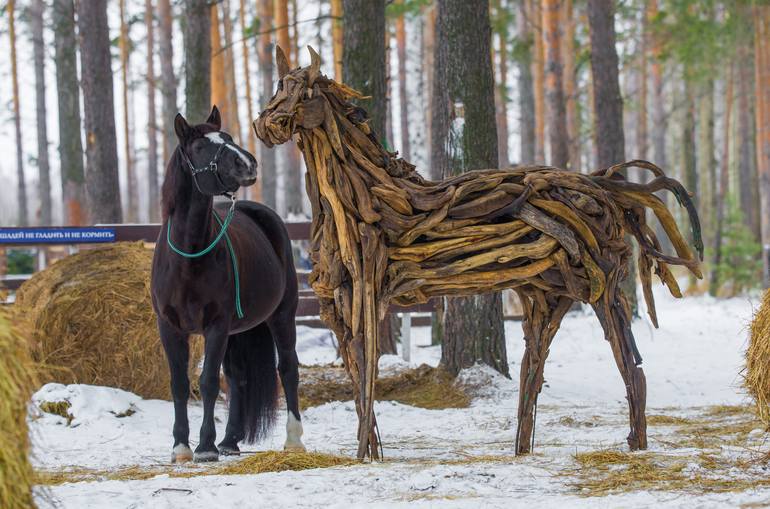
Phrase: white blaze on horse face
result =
(216, 138)
(293, 434)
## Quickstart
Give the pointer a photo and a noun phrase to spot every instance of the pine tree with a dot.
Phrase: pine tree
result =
(68, 95)
(35, 15)
(197, 62)
(464, 138)
(168, 82)
(153, 198)
(21, 189)
(102, 183)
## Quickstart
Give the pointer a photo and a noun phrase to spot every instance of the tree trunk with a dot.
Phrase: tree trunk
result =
(747, 174)
(337, 27)
(168, 82)
(608, 107)
(689, 159)
(197, 61)
(21, 189)
(464, 138)
(153, 198)
(724, 182)
(68, 94)
(232, 91)
(363, 59)
(570, 89)
(762, 87)
(556, 109)
(293, 175)
(219, 92)
(102, 182)
(538, 73)
(35, 14)
(388, 92)
(659, 120)
(641, 119)
(429, 47)
(406, 151)
(124, 44)
(267, 166)
(501, 89)
(252, 138)
(706, 167)
(526, 93)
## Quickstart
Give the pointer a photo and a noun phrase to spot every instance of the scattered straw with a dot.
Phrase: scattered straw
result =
(423, 387)
(757, 373)
(253, 463)
(93, 321)
(17, 373)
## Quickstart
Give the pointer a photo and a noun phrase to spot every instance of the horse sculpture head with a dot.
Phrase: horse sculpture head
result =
(217, 165)
(305, 99)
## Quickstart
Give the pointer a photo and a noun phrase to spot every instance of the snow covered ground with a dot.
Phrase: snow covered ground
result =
(454, 457)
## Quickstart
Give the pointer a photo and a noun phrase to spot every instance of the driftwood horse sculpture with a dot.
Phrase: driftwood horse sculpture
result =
(382, 234)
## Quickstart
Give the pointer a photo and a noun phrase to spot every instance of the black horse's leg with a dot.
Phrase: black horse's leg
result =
(177, 347)
(234, 430)
(284, 331)
(216, 344)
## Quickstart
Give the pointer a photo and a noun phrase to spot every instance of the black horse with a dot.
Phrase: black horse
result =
(224, 271)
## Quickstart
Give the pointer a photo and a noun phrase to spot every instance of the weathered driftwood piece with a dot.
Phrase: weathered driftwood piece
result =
(382, 234)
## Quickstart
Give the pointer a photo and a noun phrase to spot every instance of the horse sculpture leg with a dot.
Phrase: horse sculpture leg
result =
(541, 321)
(216, 344)
(284, 331)
(177, 347)
(617, 330)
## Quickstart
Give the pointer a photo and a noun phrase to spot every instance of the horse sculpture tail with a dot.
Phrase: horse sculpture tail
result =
(634, 199)
(250, 363)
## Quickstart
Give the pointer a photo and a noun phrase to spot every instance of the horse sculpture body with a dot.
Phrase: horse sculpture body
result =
(244, 306)
(382, 234)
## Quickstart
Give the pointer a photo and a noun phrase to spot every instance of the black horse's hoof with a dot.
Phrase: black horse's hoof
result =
(205, 456)
(229, 449)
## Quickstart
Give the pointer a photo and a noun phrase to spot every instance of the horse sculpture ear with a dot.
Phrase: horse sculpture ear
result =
(214, 117)
(315, 67)
(181, 127)
(281, 62)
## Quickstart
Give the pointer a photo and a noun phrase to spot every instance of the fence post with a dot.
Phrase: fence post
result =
(406, 336)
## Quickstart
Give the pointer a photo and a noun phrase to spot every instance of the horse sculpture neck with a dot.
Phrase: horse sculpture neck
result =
(189, 210)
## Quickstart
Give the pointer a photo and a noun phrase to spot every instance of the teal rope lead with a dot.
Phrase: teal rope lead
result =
(222, 233)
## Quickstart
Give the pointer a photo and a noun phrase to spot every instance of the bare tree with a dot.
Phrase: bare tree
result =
(168, 82)
(21, 189)
(556, 107)
(465, 138)
(526, 93)
(197, 61)
(68, 94)
(265, 54)
(153, 198)
(102, 183)
(124, 43)
(35, 15)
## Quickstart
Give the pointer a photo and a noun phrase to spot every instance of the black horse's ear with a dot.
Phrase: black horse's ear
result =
(281, 62)
(181, 127)
(214, 117)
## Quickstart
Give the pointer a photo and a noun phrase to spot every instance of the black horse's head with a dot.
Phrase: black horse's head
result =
(216, 163)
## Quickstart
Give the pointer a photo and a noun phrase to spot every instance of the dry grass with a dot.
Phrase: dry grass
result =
(724, 458)
(757, 373)
(17, 380)
(93, 322)
(423, 387)
(666, 420)
(255, 463)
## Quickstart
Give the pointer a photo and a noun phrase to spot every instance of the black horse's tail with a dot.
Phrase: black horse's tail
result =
(250, 362)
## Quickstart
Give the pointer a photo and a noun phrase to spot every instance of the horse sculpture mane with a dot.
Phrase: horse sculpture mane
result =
(382, 234)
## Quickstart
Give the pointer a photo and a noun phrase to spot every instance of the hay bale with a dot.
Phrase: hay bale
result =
(93, 322)
(757, 374)
(17, 381)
